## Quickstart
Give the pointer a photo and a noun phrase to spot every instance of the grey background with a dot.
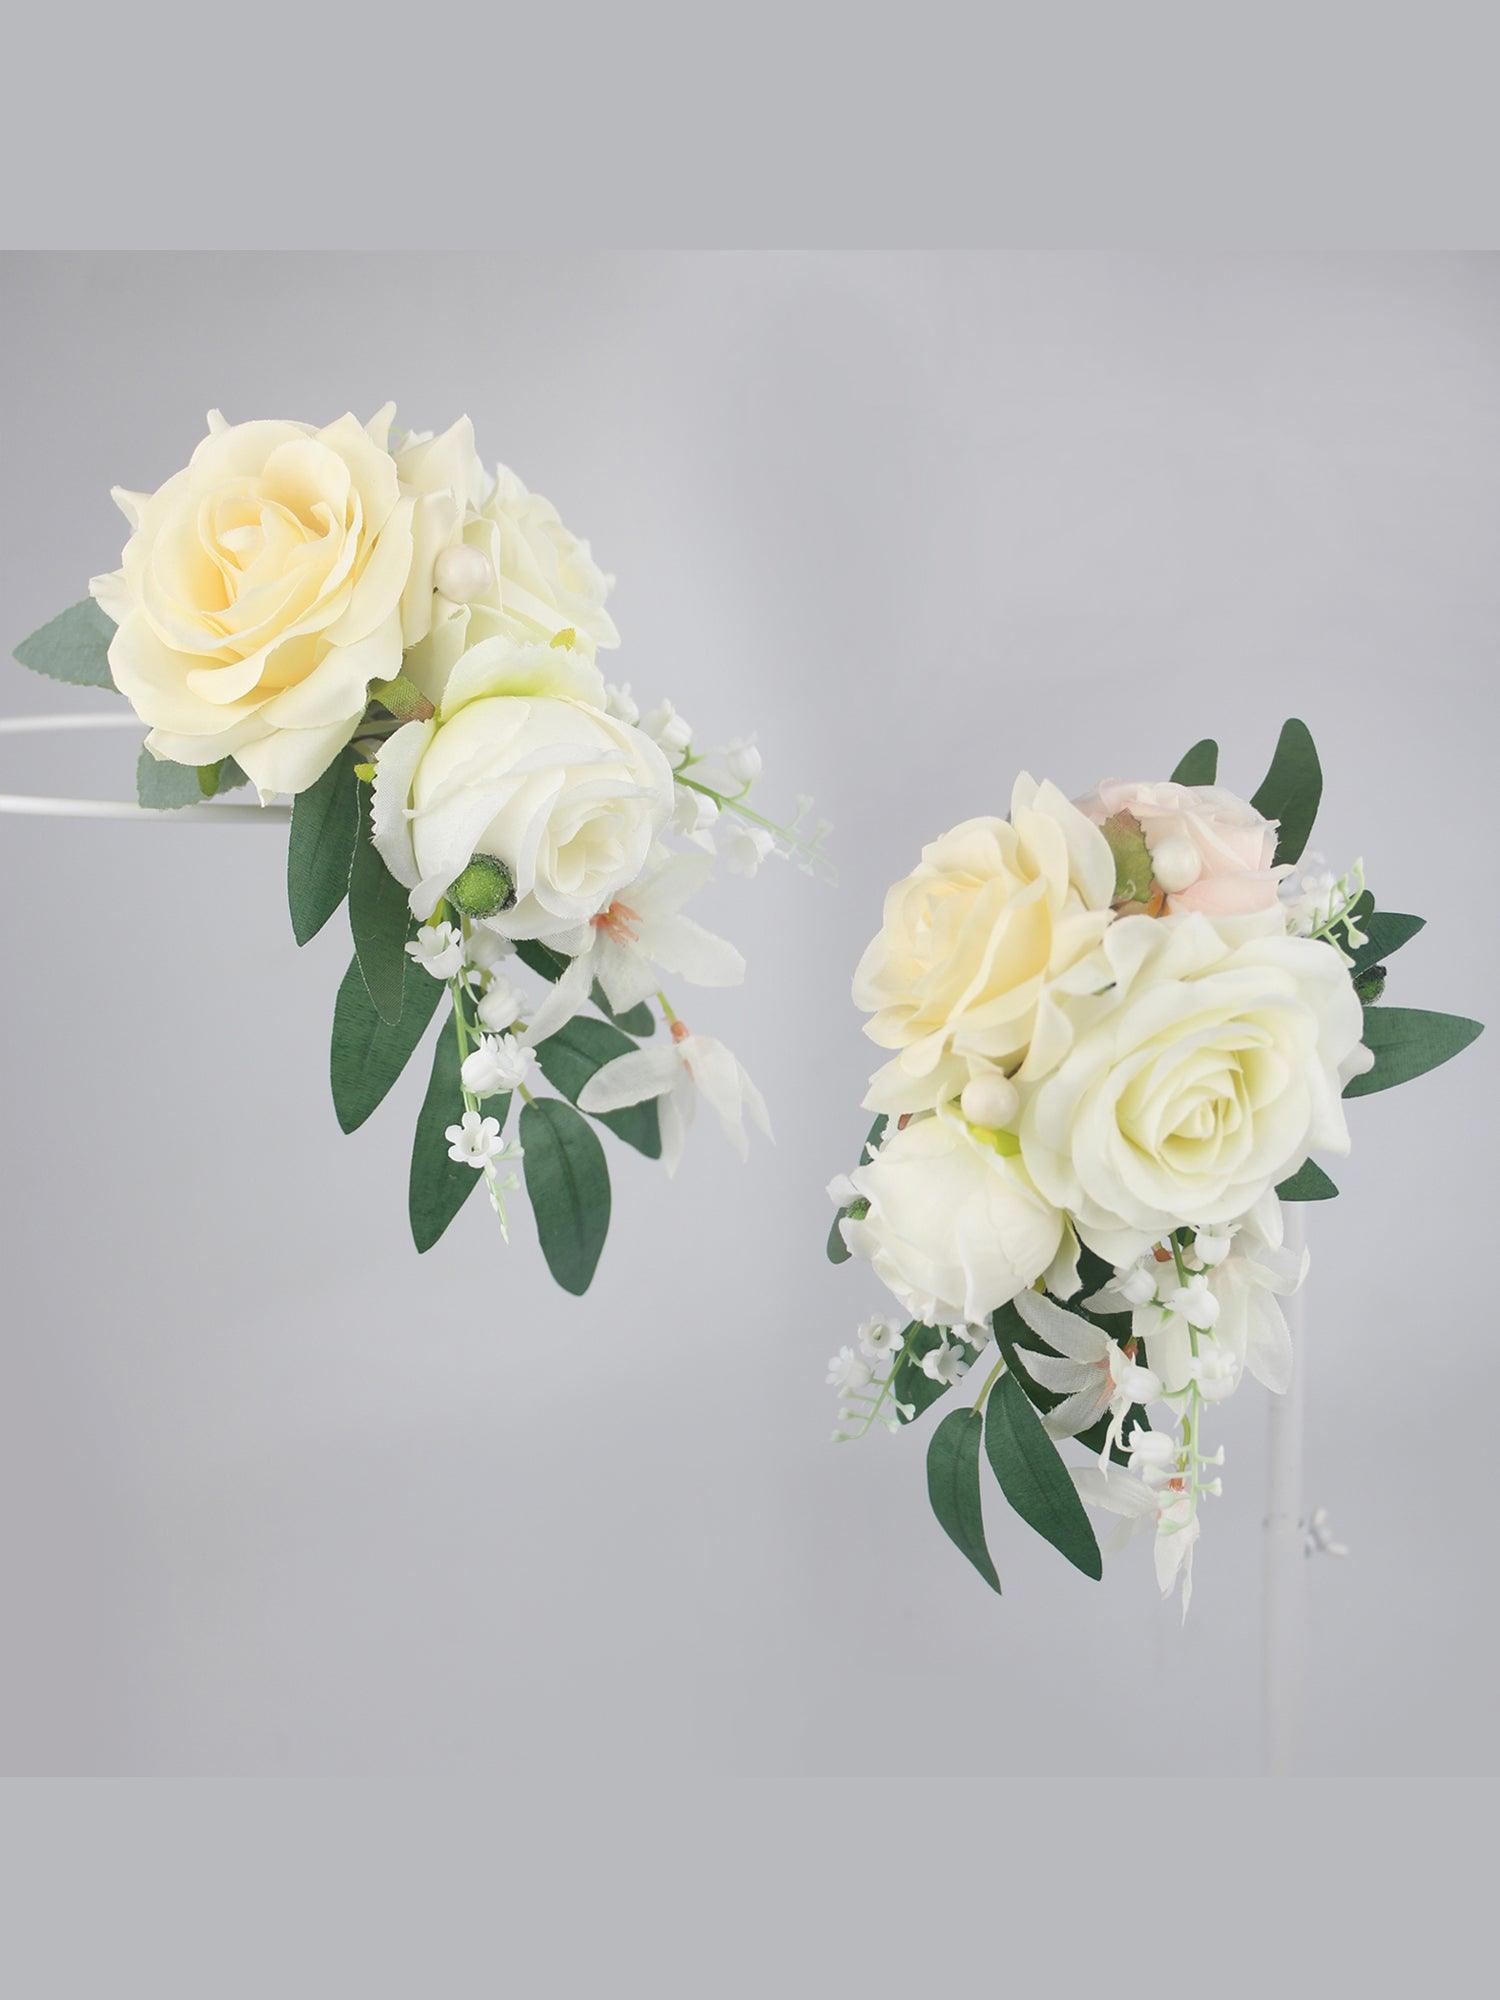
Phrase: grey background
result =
(280, 1497)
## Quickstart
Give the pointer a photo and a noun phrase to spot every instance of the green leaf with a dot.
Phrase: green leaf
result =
(838, 1249)
(1127, 843)
(1200, 765)
(1291, 789)
(570, 1057)
(953, 1488)
(909, 1385)
(1014, 1338)
(1309, 1183)
(320, 849)
(1386, 931)
(165, 786)
(542, 959)
(568, 1185)
(1407, 1042)
(380, 919)
(1034, 1479)
(73, 646)
(439, 1187)
(216, 779)
(638, 1020)
(369, 1052)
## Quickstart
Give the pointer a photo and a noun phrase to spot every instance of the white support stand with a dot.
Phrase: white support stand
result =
(28, 804)
(1284, 1606)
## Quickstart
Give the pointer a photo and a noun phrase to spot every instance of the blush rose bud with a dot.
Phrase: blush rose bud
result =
(483, 888)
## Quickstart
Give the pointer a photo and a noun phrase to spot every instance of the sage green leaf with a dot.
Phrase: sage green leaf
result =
(165, 786)
(953, 1488)
(1407, 1042)
(380, 920)
(838, 1249)
(320, 848)
(1385, 931)
(1127, 843)
(1291, 790)
(438, 1187)
(570, 1057)
(567, 1181)
(1033, 1477)
(216, 779)
(909, 1386)
(369, 1052)
(1309, 1183)
(73, 646)
(1200, 765)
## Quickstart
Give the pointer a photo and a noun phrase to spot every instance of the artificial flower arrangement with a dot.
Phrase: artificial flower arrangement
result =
(407, 646)
(1119, 1030)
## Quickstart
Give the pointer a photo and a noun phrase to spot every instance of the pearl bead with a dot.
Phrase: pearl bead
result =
(990, 1101)
(462, 574)
(1176, 865)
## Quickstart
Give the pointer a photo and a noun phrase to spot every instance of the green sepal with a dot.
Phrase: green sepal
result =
(1309, 1183)
(953, 1488)
(72, 647)
(580, 1048)
(379, 919)
(320, 847)
(1127, 843)
(368, 1052)
(1407, 1042)
(1198, 766)
(438, 1187)
(567, 1182)
(1369, 985)
(1292, 789)
(1033, 1477)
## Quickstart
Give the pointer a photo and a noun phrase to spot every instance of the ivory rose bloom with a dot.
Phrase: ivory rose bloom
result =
(1202, 1072)
(955, 1229)
(522, 763)
(970, 938)
(1220, 860)
(262, 592)
(537, 579)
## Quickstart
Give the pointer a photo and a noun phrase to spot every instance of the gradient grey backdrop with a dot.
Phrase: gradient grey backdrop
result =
(276, 1495)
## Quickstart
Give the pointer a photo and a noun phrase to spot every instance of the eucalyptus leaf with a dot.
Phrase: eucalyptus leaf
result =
(320, 848)
(369, 1052)
(73, 646)
(1407, 1042)
(567, 1182)
(214, 780)
(1385, 932)
(953, 1488)
(1033, 1477)
(580, 1048)
(1198, 766)
(164, 786)
(1291, 790)
(438, 1187)
(380, 920)
(1309, 1183)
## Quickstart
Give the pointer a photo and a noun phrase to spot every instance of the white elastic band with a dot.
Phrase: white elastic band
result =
(237, 814)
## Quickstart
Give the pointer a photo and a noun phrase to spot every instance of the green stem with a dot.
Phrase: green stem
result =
(994, 1376)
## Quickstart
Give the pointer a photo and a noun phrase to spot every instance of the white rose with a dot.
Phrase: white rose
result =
(1202, 1072)
(957, 976)
(955, 1228)
(1212, 852)
(522, 762)
(262, 591)
(530, 578)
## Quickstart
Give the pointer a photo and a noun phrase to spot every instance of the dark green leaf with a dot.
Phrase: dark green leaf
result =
(1407, 1042)
(568, 1185)
(73, 646)
(1386, 932)
(909, 1385)
(953, 1487)
(380, 919)
(368, 1052)
(542, 959)
(1291, 789)
(1309, 1183)
(570, 1057)
(1016, 1340)
(320, 849)
(838, 1249)
(165, 786)
(439, 1187)
(1034, 1479)
(638, 1020)
(1200, 765)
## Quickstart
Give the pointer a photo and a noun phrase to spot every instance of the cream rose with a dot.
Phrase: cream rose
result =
(521, 574)
(262, 592)
(1214, 852)
(955, 1228)
(522, 763)
(1202, 1072)
(955, 980)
